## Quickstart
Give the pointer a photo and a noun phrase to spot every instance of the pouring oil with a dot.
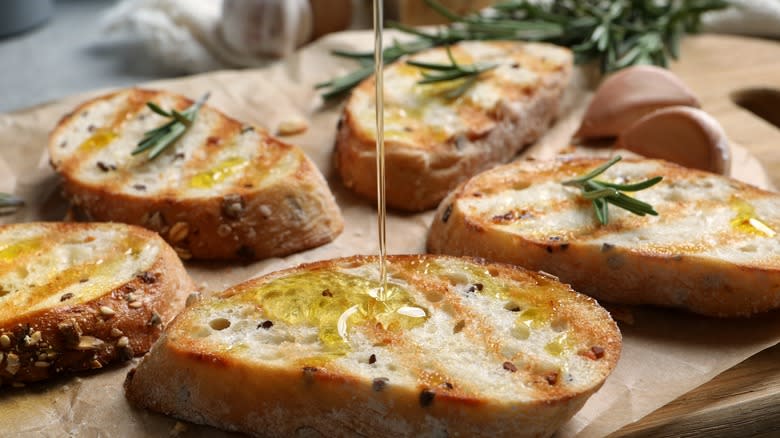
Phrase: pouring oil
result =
(380, 148)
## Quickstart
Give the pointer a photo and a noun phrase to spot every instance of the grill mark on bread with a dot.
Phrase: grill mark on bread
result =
(133, 102)
(479, 332)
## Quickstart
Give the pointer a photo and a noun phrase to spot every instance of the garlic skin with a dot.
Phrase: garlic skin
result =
(266, 27)
(628, 95)
(683, 135)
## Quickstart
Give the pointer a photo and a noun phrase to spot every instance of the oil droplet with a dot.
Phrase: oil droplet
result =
(99, 140)
(746, 219)
(11, 251)
(222, 171)
(559, 345)
(535, 317)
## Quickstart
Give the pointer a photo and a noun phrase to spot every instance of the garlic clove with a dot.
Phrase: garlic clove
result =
(626, 96)
(680, 134)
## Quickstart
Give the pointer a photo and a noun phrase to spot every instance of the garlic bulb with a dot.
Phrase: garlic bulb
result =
(266, 27)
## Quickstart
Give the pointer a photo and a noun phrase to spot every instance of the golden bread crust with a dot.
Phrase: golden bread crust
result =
(187, 377)
(120, 323)
(230, 197)
(699, 254)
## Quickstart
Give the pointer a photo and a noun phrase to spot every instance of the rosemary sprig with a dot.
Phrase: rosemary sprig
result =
(451, 72)
(9, 204)
(617, 33)
(158, 139)
(602, 193)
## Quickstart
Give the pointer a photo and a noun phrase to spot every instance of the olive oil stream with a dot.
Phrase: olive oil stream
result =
(380, 148)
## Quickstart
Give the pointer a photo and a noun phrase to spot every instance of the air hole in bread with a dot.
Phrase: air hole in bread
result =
(513, 306)
(521, 331)
(493, 272)
(219, 324)
(559, 325)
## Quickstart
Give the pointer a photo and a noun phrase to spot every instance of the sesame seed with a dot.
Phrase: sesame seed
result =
(124, 341)
(33, 339)
(5, 341)
(139, 187)
(509, 366)
(266, 325)
(115, 332)
(179, 231)
(41, 364)
(17, 385)
(131, 297)
(66, 296)
(135, 304)
(155, 319)
(327, 293)
(107, 311)
(95, 364)
(372, 359)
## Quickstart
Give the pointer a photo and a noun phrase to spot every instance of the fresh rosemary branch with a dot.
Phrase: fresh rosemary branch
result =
(616, 33)
(451, 72)
(602, 193)
(9, 204)
(157, 140)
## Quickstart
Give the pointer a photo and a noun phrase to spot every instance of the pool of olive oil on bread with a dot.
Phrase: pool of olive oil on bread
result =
(460, 347)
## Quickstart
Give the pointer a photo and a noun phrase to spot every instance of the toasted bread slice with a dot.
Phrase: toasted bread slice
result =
(713, 249)
(224, 190)
(434, 142)
(76, 297)
(459, 348)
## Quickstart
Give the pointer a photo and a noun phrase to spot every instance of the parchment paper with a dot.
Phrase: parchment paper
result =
(665, 353)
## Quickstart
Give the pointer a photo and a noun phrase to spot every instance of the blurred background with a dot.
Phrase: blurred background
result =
(54, 48)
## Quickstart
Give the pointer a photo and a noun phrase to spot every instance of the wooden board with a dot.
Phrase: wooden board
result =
(745, 400)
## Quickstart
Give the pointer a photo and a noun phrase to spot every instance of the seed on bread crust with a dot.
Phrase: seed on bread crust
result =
(426, 397)
(178, 232)
(509, 366)
(5, 341)
(379, 383)
(372, 359)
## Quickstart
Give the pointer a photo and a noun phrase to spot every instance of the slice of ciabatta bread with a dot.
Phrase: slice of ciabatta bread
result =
(432, 142)
(713, 249)
(224, 190)
(76, 297)
(459, 347)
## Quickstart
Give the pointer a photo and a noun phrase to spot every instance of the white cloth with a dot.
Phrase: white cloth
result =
(184, 35)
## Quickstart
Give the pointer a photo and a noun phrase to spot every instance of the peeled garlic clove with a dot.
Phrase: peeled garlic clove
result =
(626, 96)
(680, 134)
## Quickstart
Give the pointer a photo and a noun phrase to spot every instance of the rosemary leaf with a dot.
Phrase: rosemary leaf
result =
(157, 140)
(616, 34)
(603, 193)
